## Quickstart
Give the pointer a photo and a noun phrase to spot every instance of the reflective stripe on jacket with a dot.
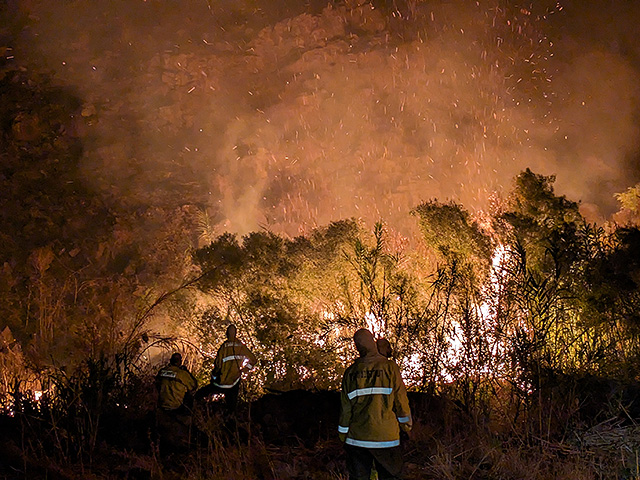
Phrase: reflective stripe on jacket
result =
(374, 403)
(232, 356)
(173, 384)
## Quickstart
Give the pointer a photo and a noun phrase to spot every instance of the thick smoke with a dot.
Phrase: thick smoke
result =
(292, 117)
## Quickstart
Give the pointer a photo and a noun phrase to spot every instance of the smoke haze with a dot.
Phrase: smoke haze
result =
(287, 117)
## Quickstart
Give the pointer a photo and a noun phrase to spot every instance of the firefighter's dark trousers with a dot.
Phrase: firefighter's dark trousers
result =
(174, 429)
(387, 461)
(230, 394)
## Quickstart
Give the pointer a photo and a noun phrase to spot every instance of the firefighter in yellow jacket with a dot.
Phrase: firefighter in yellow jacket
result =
(374, 408)
(175, 384)
(232, 360)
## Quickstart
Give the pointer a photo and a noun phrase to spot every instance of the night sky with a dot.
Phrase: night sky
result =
(267, 115)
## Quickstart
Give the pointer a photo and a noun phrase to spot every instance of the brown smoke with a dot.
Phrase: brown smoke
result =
(292, 117)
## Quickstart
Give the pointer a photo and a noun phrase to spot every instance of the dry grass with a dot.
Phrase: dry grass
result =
(445, 444)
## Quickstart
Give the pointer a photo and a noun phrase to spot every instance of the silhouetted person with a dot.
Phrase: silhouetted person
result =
(175, 385)
(384, 347)
(374, 407)
(232, 360)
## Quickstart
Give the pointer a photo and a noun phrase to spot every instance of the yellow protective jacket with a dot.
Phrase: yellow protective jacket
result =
(232, 357)
(374, 403)
(174, 383)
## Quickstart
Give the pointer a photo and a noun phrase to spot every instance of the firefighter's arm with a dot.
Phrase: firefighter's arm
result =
(188, 380)
(217, 362)
(345, 412)
(401, 401)
(251, 360)
(193, 384)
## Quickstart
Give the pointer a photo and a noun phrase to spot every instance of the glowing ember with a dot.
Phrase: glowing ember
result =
(300, 122)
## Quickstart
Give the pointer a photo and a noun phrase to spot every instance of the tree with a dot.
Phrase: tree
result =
(281, 294)
(629, 206)
(459, 342)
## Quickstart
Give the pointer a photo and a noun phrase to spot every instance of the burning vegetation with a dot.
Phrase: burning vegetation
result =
(279, 168)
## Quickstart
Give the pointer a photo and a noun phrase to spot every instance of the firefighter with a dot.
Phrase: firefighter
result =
(384, 347)
(232, 360)
(374, 408)
(175, 385)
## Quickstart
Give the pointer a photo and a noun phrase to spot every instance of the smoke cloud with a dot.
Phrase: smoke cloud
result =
(291, 116)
